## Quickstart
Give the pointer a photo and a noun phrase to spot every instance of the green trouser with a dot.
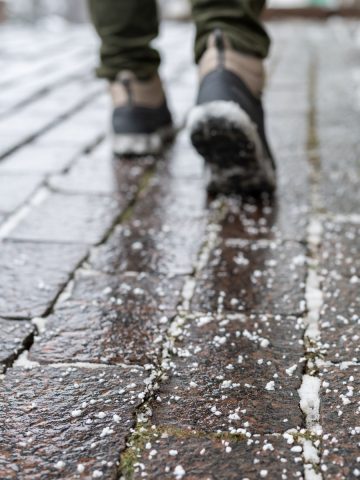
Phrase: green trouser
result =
(126, 28)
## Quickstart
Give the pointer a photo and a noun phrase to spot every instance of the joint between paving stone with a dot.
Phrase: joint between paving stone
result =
(142, 414)
(57, 121)
(309, 392)
(20, 358)
(26, 344)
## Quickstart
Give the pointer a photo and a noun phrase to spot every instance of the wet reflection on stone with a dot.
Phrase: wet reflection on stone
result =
(251, 267)
(250, 218)
(62, 417)
(259, 276)
(100, 173)
(165, 234)
(166, 227)
(111, 319)
(340, 399)
(230, 372)
(33, 274)
(198, 454)
(340, 269)
(150, 247)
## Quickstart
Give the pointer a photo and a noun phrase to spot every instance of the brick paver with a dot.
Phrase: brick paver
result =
(148, 331)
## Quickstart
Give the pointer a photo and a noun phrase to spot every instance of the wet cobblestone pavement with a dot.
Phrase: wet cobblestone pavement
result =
(148, 331)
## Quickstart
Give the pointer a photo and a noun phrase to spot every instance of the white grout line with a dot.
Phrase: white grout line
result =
(309, 392)
(175, 328)
(23, 361)
(349, 218)
(40, 323)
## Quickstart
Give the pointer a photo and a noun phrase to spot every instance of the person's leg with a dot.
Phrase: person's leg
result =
(237, 19)
(126, 28)
(227, 125)
(141, 119)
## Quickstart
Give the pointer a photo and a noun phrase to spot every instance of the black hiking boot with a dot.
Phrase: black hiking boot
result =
(141, 119)
(227, 124)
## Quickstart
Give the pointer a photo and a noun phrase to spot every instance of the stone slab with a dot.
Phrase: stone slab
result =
(253, 276)
(340, 268)
(59, 422)
(32, 159)
(340, 252)
(33, 274)
(16, 189)
(168, 456)
(146, 245)
(105, 175)
(70, 219)
(288, 135)
(172, 197)
(340, 398)
(284, 216)
(111, 319)
(234, 374)
(339, 184)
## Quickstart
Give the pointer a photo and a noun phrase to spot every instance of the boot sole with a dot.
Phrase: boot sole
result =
(229, 142)
(139, 144)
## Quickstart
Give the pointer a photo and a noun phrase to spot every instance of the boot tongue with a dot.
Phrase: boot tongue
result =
(125, 76)
(218, 40)
(220, 54)
(121, 88)
(130, 90)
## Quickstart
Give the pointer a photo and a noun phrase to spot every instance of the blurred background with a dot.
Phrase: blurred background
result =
(75, 10)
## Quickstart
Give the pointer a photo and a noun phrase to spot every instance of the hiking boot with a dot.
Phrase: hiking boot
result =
(141, 119)
(227, 124)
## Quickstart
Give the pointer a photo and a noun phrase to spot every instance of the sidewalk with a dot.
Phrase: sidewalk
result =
(149, 332)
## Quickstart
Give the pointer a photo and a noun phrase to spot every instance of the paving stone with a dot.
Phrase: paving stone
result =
(340, 268)
(257, 276)
(21, 125)
(64, 134)
(110, 319)
(165, 231)
(2, 218)
(16, 189)
(147, 247)
(215, 458)
(33, 274)
(8, 143)
(339, 320)
(339, 185)
(15, 336)
(70, 219)
(288, 135)
(338, 137)
(337, 80)
(55, 419)
(176, 198)
(284, 216)
(60, 103)
(340, 400)
(182, 160)
(293, 197)
(102, 175)
(340, 253)
(235, 373)
(34, 159)
(339, 142)
(282, 101)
